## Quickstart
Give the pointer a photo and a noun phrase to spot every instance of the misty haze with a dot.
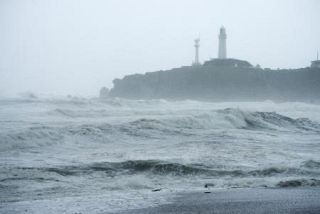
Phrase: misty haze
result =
(159, 106)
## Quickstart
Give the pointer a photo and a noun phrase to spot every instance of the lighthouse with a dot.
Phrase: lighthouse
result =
(196, 58)
(222, 44)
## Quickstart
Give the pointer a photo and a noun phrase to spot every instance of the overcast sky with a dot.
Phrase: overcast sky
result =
(77, 46)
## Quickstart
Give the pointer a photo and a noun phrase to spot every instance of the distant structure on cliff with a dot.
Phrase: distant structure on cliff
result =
(222, 59)
(222, 44)
(196, 45)
(104, 92)
(316, 63)
(221, 79)
(222, 53)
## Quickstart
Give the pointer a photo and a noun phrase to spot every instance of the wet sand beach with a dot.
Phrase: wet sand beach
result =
(255, 201)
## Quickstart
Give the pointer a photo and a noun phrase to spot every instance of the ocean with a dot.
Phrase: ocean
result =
(86, 155)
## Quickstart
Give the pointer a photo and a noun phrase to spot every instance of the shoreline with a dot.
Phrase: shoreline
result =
(247, 200)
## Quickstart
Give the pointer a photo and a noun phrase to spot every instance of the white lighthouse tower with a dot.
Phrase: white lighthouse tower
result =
(222, 44)
(196, 45)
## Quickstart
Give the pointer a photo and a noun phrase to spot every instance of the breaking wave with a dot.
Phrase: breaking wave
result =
(163, 168)
(231, 118)
(116, 176)
(158, 127)
(267, 120)
(299, 183)
(226, 118)
(311, 164)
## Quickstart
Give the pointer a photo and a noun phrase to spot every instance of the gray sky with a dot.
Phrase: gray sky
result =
(77, 46)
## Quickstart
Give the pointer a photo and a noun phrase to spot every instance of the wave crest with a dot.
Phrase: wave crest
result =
(158, 127)
(299, 183)
(226, 119)
(311, 164)
(163, 168)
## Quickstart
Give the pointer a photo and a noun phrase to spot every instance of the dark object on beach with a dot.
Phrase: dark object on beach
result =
(156, 190)
(207, 185)
(207, 192)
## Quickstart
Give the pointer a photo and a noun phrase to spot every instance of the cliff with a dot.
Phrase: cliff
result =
(222, 80)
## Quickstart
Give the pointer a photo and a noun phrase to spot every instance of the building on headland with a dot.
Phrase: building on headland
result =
(316, 63)
(236, 63)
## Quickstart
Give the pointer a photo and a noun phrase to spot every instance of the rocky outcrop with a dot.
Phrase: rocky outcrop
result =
(227, 79)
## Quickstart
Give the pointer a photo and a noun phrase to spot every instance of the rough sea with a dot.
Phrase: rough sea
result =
(85, 155)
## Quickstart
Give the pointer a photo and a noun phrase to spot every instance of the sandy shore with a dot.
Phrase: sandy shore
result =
(297, 200)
